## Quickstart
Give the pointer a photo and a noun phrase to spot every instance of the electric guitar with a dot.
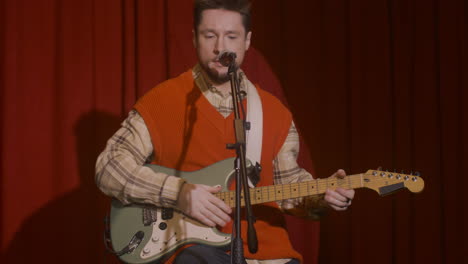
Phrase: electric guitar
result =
(143, 233)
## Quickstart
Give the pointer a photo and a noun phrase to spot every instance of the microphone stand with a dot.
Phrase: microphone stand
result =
(240, 125)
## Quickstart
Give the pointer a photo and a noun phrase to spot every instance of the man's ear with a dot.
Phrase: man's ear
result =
(247, 40)
(194, 38)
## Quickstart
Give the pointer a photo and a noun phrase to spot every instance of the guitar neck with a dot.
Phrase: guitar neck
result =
(279, 192)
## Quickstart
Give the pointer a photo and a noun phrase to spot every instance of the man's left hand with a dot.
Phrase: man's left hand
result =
(339, 199)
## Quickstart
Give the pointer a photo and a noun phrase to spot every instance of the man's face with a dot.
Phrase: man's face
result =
(220, 30)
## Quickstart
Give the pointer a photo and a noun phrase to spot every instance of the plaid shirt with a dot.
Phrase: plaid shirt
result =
(120, 172)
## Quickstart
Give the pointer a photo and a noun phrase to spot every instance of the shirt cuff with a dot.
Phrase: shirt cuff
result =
(170, 191)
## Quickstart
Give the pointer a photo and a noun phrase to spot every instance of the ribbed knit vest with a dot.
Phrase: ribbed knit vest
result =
(188, 134)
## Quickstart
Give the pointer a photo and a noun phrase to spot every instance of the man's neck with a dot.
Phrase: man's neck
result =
(223, 88)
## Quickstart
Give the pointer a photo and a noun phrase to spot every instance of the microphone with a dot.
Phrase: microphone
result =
(226, 58)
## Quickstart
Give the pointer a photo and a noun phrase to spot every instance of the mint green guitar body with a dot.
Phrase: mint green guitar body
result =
(163, 237)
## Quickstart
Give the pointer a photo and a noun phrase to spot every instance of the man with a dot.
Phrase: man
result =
(186, 122)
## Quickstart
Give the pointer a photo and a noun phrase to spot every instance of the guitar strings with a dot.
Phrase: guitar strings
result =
(293, 190)
(308, 188)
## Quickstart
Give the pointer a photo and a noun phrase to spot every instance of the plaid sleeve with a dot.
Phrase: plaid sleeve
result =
(286, 170)
(120, 172)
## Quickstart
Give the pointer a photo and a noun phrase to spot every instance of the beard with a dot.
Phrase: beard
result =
(215, 76)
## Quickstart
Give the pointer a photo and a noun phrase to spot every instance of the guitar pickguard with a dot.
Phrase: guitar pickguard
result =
(170, 234)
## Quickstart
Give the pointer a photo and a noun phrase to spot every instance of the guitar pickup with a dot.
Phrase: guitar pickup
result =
(167, 213)
(149, 216)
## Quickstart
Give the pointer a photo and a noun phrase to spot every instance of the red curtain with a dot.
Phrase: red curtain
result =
(370, 83)
(72, 70)
(380, 83)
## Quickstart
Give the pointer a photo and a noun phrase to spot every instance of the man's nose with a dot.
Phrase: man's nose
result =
(219, 46)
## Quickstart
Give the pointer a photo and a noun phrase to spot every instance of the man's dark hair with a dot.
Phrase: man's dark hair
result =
(240, 6)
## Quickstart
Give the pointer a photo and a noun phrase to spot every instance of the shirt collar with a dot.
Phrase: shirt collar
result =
(207, 87)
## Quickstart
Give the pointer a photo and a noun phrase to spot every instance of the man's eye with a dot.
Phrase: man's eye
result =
(232, 37)
(209, 36)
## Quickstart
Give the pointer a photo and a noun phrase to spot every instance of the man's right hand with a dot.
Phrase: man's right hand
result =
(198, 202)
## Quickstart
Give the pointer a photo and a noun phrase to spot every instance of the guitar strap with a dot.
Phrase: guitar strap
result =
(255, 134)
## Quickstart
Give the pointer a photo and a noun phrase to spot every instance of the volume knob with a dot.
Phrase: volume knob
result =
(146, 251)
(162, 226)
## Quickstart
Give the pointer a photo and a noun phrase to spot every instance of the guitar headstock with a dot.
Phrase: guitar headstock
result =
(385, 182)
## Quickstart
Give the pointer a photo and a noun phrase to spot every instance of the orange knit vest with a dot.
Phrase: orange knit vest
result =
(188, 134)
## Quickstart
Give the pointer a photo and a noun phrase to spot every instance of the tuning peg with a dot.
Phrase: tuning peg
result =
(402, 172)
(379, 168)
(417, 174)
